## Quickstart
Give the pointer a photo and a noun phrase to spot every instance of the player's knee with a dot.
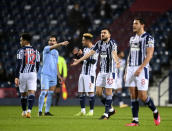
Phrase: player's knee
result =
(98, 93)
(43, 93)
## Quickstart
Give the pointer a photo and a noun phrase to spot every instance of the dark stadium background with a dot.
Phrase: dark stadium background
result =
(68, 20)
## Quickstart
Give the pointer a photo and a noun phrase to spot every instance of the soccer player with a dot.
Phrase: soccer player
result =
(137, 71)
(119, 79)
(107, 48)
(49, 73)
(28, 60)
(86, 83)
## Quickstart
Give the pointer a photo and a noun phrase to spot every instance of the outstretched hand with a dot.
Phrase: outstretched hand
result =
(76, 62)
(65, 43)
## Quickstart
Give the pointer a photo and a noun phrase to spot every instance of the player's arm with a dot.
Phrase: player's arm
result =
(37, 60)
(18, 65)
(86, 56)
(149, 54)
(58, 45)
(116, 59)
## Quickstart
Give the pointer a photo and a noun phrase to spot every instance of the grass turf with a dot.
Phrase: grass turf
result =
(64, 120)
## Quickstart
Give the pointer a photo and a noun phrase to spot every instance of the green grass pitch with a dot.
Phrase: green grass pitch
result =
(64, 120)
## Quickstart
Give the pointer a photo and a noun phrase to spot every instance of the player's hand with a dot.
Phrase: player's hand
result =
(65, 43)
(138, 71)
(118, 65)
(80, 52)
(16, 82)
(76, 62)
(60, 79)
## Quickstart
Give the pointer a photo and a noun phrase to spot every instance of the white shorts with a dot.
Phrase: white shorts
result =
(27, 81)
(141, 81)
(106, 80)
(86, 83)
(118, 84)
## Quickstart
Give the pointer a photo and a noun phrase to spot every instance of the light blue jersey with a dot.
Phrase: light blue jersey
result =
(50, 60)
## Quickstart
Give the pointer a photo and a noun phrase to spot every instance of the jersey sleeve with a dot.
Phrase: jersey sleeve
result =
(47, 49)
(96, 47)
(114, 46)
(149, 41)
(20, 55)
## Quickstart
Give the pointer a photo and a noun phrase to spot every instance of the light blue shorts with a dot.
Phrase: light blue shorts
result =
(47, 81)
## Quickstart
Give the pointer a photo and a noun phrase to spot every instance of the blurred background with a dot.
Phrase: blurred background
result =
(68, 20)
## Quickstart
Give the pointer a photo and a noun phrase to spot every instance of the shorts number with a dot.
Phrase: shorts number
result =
(110, 81)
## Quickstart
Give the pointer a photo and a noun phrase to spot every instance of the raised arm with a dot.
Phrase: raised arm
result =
(86, 56)
(59, 44)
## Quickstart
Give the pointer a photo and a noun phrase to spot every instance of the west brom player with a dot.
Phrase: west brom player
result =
(49, 73)
(137, 73)
(28, 60)
(119, 79)
(86, 83)
(107, 49)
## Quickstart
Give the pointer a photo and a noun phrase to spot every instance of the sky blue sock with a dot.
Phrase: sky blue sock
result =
(49, 100)
(41, 100)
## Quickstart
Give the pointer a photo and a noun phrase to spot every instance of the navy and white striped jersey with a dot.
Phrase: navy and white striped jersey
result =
(89, 65)
(138, 46)
(28, 60)
(107, 62)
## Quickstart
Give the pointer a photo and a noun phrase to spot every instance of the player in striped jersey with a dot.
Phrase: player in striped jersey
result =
(107, 49)
(49, 73)
(137, 73)
(86, 83)
(27, 67)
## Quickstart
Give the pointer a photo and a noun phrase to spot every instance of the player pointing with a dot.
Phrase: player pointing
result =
(49, 73)
(107, 49)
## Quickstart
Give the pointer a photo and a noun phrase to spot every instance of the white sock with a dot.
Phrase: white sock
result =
(155, 111)
(111, 109)
(83, 110)
(136, 119)
(91, 111)
(29, 111)
(105, 114)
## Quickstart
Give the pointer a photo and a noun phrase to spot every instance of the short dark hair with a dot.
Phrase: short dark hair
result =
(88, 36)
(26, 36)
(141, 20)
(106, 28)
(53, 36)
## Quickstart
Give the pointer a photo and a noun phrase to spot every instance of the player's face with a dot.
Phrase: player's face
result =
(105, 35)
(52, 41)
(84, 41)
(22, 42)
(137, 26)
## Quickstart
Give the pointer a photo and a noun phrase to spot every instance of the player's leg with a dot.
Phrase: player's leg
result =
(100, 84)
(23, 91)
(49, 100)
(90, 89)
(81, 92)
(24, 103)
(44, 90)
(120, 99)
(131, 83)
(31, 87)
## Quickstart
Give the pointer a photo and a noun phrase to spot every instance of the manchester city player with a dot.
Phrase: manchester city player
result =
(137, 71)
(49, 73)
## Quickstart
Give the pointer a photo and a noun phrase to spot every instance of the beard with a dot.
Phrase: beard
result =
(104, 39)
